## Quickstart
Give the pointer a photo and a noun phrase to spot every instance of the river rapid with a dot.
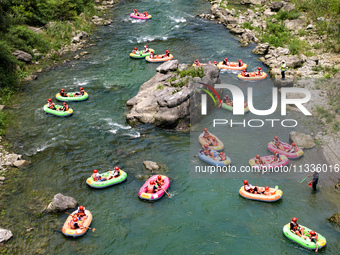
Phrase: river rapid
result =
(203, 215)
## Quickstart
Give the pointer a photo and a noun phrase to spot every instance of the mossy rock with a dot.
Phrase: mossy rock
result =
(335, 218)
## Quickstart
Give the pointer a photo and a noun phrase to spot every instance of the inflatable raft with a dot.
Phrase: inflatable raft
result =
(153, 196)
(140, 54)
(58, 113)
(158, 58)
(287, 146)
(230, 108)
(212, 161)
(67, 231)
(103, 184)
(219, 147)
(140, 16)
(252, 76)
(283, 161)
(300, 240)
(276, 195)
(232, 66)
(71, 97)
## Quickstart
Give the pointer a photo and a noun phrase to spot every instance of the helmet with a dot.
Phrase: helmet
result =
(245, 182)
(62, 90)
(49, 100)
(225, 58)
(152, 182)
(152, 51)
(239, 60)
(221, 153)
(258, 156)
(145, 46)
(135, 10)
(215, 62)
(116, 168)
(293, 144)
(275, 152)
(214, 138)
(312, 233)
(196, 60)
(81, 207)
(283, 61)
(205, 129)
(75, 219)
(167, 51)
(145, 12)
(294, 219)
(244, 70)
(276, 137)
(95, 171)
(135, 48)
(159, 177)
(259, 68)
(206, 145)
(64, 103)
(266, 188)
(81, 88)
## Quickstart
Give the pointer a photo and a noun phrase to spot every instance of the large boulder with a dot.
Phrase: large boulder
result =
(20, 163)
(293, 61)
(150, 165)
(261, 49)
(168, 66)
(303, 141)
(10, 159)
(335, 218)
(237, 30)
(276, 6)
(22, 56)
(5, 235)
(288, 82)
(61, 203)
(294, 24)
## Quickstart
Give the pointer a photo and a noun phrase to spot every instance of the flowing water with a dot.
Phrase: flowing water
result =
(203, 216)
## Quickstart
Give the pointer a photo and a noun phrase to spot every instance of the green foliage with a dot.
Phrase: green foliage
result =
(297, 46)
(8, 76)
(317, 46)
(247, 25)
(276, 35)
(3, 123)
(336, 126)
(284, 15)
(191, 71)
(302, 32)
(181, 83)
(160, 86)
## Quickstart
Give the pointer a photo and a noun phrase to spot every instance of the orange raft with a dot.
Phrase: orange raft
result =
(253, 76)
(158, 58)
(276, 195)
(67, 231)
(232, 66)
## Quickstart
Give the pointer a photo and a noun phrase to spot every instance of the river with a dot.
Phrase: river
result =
(203, 216)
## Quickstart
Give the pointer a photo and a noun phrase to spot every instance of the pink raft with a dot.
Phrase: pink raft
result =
(268, 159)
(140, 16)
(296, 154)
(153, 196)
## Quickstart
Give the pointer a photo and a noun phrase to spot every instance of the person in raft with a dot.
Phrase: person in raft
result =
(74, 223)
(135, 51)
(65, 107)
(151, 188)
(146, 48)
(167, 54)
(222, 156)
(258, 160)
(244, 73)
(215, 63)
(225, 62)
(151, 54)
(135, 12)
(296, 229)
(97, 177)
(294, 148)
(314, 238)
(159, 181)
(206, 135)
(250, 188)
(80, 93)
(146, 14)
(259, 71)
(115, 174)
(214, 142)
(51, 105)
(197, 63)
(228, 101)
(240, 63)
(80, 214)
(266, 191)
(206, 151)
(62, 93)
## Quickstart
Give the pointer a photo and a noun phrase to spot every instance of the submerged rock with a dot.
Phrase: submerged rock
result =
(335, 218)
(303, 141)
(5, 235)
(61, 203)
(150, 165)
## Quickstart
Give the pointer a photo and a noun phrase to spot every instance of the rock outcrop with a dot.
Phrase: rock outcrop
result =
(302, 140)
(164, 100)
(335, 218)
(22, 56)
(14, 160)
(150, 165)
(61, 203)
(5, 235)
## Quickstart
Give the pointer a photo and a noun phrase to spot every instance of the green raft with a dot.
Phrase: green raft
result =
(58, 113)
(103, 184)
(71, 98)
(305, 243)
(230, 108)
(141, 54)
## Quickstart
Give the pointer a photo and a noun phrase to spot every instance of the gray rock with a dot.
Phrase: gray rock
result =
(10, 159)
(167, 66)
(150, 165)
(5, 235)
(237, 30)
(269, 13)
(261, 49)
(315, 59)
(282, 51)
(246, 2)
(36, 30)
(310, 26)
(76, 57)
(22, 56)
(20, 163)
(295, 24)
(61, 203)
(288, 7)
(2, 178)
(293, 61)
(303, 141)
(335, 218)
(276, 6)
(288, 82)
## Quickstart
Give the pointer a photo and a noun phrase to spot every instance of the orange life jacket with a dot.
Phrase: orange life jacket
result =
(94, 176)
(150, 188)
(52, 106)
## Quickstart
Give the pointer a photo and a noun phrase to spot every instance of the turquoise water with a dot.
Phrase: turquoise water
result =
(203, 216)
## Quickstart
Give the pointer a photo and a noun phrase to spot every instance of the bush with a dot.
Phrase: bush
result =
(191, 71)
(284, 15)
(276, 35)
(8, 76)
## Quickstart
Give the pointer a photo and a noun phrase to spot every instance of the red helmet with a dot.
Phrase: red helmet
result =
(293, 144)
(244, 70)
(145, 12)
(266, 188)
(312, 233)
(64, 103)
(258, 156)
(245, 182)
(215, 62)
(221, 153)
(135, 48)
(294, 219)
(276, 137)
(196, 60)
(135, 10)
(206, 145)
(225, 58)
(275, 152)
(214, 138)
(145, 46)
(166, 51)
(159, 177)
(205, 129)
(116, 168)
(239, 60)
(152, 51)
(259, 68)
(81, 88)
(49, 100)
(62, 90)
(81, 207)
(152, 182)
(75, 219)
(95, 171)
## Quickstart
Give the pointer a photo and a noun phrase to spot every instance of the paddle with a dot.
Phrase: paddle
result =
(303, 180)
(163, 189)
(93, 229)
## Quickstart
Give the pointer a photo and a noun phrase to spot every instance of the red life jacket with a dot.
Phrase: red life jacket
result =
(94, 176)
(52, 106)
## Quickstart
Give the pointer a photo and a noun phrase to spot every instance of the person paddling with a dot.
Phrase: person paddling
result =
(62, 93)
(65, 107)
(151, 188)
(167, 54)
(74, 223)
(80, 93)
(97, 177)
(295, 228)
(80, 213)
